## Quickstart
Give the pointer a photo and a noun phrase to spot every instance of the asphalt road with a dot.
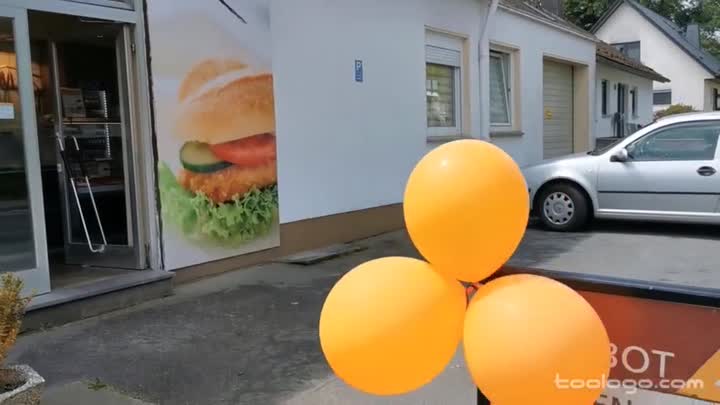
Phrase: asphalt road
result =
(687, 255)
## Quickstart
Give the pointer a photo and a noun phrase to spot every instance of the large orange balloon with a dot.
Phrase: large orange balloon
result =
(391, 325)
(533, 340)
(466, 208)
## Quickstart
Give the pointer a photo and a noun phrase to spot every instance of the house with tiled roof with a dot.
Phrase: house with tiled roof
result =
(673, 51)
(553, 85)
(624, 93)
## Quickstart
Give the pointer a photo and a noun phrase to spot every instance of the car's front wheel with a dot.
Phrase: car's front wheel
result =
(563, 207)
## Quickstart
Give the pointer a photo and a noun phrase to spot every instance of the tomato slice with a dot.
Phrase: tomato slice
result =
(247, 152)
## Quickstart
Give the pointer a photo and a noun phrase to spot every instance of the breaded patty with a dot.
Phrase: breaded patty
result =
(226, 184)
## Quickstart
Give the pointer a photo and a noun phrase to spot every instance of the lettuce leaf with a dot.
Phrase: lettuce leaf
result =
(240, 220)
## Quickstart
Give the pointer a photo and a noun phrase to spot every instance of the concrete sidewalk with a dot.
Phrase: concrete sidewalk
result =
(246, 337)
(85, 392)
(250, 337)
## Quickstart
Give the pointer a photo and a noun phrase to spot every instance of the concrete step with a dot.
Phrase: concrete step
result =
(68, 304)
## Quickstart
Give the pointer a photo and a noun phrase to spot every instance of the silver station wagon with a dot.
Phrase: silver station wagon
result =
(666, 171)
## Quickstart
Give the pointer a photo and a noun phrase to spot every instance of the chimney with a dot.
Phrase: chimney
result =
(556, 7)
(692, 33)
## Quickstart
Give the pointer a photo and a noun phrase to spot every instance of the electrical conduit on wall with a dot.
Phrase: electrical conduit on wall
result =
(484, 52)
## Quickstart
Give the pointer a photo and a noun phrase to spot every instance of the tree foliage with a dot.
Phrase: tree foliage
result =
(706, 13)
(674, 109)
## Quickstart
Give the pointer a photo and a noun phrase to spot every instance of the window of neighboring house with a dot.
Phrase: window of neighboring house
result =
(634, 101)
(629, 49)
(443, 56)
(662, 97)
(716, 100)
(604, 91)
(500, 97)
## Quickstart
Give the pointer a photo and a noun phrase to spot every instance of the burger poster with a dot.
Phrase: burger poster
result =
(215, 124)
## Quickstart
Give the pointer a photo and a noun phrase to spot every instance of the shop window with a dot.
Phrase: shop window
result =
(443, 84)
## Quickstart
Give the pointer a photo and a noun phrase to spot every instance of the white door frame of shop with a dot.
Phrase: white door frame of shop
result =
(36, 278)
(138, 77)
(84, 9)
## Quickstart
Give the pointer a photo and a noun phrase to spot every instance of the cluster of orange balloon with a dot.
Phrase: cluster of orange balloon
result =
(391, 325)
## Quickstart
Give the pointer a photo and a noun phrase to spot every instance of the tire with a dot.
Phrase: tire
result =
(563, 207)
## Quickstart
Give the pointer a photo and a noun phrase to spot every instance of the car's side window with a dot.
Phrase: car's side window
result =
(683, 142)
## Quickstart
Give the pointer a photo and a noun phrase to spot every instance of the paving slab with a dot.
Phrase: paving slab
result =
(452, 387)
(83, 392)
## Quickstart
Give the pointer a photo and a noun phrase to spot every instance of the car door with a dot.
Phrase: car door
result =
(670, 172)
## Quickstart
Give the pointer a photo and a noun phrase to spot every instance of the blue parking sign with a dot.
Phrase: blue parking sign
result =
(358, 70)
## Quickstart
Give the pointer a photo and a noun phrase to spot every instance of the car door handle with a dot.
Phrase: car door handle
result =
(706, 171)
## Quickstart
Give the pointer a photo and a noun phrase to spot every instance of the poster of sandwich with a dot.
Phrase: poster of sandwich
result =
(215, 124)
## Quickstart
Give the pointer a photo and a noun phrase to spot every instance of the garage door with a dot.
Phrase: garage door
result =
(558, 114)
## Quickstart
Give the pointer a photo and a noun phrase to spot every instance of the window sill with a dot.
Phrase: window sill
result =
(446, 138)
(505, 133)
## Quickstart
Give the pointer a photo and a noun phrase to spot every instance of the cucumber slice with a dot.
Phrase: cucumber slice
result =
(197, 157)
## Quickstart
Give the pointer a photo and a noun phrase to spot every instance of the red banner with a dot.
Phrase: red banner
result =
(662, 346)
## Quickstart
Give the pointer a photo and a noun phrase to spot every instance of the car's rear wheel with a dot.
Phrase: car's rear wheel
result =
(563, 207)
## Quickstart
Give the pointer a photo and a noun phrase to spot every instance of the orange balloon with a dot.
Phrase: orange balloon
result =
(466, 208)
(533, 340)
(391, 325)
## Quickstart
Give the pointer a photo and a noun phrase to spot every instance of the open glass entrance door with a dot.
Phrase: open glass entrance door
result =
(94, 128)
(23, 249)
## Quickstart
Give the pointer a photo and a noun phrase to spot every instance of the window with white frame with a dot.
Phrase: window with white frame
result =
(629, 49)
(634, 101)
(500, 99)
(662, 97)
(443, 84)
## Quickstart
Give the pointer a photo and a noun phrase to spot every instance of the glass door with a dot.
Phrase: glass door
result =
(23, 249)
(95, 134)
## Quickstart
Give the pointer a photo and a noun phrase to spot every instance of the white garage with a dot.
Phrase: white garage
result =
(558, 109)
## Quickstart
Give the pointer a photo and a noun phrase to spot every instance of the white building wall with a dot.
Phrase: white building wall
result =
(343, 145)
(644, 86)
(533, 41)
(687, 77)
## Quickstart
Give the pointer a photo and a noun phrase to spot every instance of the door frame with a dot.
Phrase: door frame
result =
(84, 9)
(149, 237)
(36, 279)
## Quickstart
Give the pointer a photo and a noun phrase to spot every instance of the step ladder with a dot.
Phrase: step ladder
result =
(74, 163)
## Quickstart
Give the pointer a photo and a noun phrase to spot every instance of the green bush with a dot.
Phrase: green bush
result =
(674, 109)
